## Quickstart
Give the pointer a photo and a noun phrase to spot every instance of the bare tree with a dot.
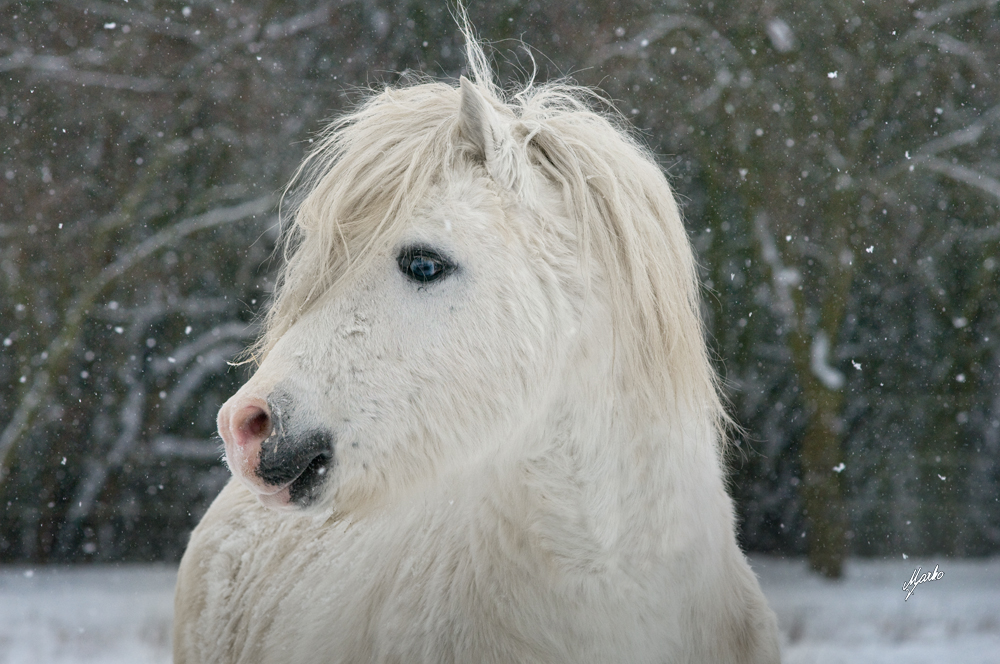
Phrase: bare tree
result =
(839, 163)
(150, 141)
(833, 135)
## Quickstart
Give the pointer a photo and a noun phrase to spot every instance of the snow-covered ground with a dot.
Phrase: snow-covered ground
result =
(863, 618)
(112, 615)
(122, 614)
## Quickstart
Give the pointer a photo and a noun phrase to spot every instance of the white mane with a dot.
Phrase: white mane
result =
(372, 166)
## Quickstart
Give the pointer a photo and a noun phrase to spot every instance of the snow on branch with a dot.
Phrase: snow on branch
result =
(172, 234)
(210, 364)
(950, 45)
(958, 138)
(189, 306)
(185, 354)
(187, 448)
(304, 21)
(819, 364)
(134, 17)
(97, 470)
(950, 9)
(783, 278)
(965, 175)
(661, 27)
(60, 68)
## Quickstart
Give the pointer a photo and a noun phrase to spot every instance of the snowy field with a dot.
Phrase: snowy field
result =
(121, 615)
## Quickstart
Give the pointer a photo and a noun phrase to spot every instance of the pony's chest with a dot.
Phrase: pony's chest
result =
(427, 593)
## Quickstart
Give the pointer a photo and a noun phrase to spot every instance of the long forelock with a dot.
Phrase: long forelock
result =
(355, 189)
(372, 167)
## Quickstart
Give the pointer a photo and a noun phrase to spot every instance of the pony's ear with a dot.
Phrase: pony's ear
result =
(481, 125)
(477, 122)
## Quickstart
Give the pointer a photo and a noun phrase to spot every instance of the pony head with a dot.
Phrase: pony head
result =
(468, 275)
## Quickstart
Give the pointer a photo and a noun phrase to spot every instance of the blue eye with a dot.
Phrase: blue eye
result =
(423, 265)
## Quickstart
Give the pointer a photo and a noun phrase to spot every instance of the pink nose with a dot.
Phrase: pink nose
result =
(244, 424)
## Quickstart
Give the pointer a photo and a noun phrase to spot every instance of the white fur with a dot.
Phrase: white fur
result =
(528, 451)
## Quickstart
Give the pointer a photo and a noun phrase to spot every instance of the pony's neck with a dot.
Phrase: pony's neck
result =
(601, 487)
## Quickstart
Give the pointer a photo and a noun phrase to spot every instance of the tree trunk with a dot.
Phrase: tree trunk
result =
(822, 389)
(821, 489)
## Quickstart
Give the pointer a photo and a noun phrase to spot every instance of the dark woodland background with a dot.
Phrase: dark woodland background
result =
(837, 164)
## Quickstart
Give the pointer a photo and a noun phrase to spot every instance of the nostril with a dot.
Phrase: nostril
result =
(253, 426)
(258, 426)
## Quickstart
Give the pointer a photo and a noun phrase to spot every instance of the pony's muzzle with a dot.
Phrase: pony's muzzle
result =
(282, 470)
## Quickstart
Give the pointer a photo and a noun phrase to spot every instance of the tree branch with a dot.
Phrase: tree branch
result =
(958, 138)
(59, 68)
(661, 27)
(60, 347)
(303, 21)
(964, 174)
(947, 10)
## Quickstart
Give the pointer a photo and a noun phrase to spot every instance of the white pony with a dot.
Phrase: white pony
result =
(484, 426)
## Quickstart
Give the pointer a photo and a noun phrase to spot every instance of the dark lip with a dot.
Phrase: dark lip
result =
(306, 487)
(300, 462)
